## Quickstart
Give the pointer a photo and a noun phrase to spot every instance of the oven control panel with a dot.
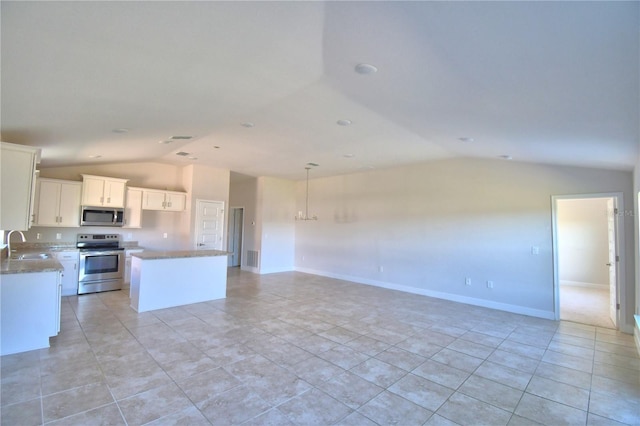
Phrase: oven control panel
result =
(98, 237)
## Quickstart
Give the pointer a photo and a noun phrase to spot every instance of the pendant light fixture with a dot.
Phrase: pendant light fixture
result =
(306, 205)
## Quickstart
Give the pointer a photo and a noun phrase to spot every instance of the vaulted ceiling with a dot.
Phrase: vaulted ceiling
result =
(260, 86)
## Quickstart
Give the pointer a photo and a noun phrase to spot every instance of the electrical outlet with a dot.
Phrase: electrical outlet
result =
(535, 250)
(380, 269)
(165, 235)
(467, 281)
(58, 236)
(489, 284)
(38, 236)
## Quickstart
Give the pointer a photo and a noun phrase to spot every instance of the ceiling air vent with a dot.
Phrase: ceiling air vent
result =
(181, 138)
(182, 153)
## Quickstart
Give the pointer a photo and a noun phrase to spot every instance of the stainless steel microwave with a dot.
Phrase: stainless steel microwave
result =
(101, 216)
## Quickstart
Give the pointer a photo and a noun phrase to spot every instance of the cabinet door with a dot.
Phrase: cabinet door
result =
(48, 203)
(154, 200)
(133, 209)
(70, 204)
(69, 261)
(114, 193)
(92, 191)
(17, 170)
(175, 202)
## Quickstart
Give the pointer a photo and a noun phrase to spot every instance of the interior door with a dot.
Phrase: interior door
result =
(235, 236)
(209, 225)
(612, 261)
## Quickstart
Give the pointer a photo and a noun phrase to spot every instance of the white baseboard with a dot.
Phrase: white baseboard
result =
(276, 270)
(436, 294)
(584, 285)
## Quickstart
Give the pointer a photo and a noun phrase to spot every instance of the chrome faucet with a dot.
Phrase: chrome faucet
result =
(9, 241)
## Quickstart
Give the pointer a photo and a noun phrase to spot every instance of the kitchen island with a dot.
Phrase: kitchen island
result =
(164, 279)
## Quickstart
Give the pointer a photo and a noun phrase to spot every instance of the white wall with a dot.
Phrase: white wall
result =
(276, 200)
(203, 183)
(243, 193)
(583, 242)
(425, 228)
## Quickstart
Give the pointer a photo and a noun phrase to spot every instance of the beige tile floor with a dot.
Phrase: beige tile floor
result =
(297, 349)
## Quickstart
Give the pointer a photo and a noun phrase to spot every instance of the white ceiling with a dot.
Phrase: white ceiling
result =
(549, 82)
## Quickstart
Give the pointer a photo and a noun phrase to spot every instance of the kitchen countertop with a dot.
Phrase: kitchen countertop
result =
(14, 266)
(154, 255)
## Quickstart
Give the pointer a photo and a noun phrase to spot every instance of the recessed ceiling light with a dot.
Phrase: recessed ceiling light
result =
(192, 158)
(505, 157)
(122, 130)
(216, 147)
(95, 156)
(466, 139)
(313, 164)
(181, 138)
(366, 69)
(168, 141)
(349, 155)
(247, 124)
(344, 122)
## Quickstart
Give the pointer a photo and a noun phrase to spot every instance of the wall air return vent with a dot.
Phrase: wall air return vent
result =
(181, 138)
(253, 258)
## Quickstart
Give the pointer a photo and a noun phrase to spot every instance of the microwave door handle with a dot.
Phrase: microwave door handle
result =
(115, 216)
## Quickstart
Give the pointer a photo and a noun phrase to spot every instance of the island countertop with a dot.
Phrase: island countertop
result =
(178, 254)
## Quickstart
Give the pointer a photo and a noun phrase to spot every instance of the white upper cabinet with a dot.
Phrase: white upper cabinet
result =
(103, 191)
(17, 185)
(58, 203)
(133, 208)
(164, 200)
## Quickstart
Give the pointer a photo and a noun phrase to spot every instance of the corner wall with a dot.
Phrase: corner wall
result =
(426, 228)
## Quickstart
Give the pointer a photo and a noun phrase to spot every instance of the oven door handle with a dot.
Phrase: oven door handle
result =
(101, 253)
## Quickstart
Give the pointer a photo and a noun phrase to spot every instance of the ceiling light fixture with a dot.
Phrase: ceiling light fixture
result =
(306, 208)
(247, 124)
(122, 130)
(181, 138)
(466, 139)
(313, 164)
(344, 122)
(192, 158)
(505, 157)
(165, 142)
(349, 155)
(366, 69)
(182, 154)
(95, 156)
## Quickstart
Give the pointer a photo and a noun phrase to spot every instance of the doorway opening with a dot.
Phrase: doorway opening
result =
(586, 241)
(236, 215)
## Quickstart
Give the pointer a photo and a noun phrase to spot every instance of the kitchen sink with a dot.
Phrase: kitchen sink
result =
(31, 256)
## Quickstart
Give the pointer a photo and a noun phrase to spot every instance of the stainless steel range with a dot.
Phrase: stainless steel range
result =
(101, 263)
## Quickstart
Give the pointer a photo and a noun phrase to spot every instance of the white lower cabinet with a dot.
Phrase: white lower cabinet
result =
(127, 264)
(70, 261)
(29, 311)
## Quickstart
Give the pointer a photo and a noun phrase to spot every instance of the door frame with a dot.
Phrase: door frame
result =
(229, 236)
(618, 198)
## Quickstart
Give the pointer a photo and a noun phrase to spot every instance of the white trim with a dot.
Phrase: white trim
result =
(275, 270)
(636, 331)
(584, 285)
(249, 269)
(436, 294)
(621, 286)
